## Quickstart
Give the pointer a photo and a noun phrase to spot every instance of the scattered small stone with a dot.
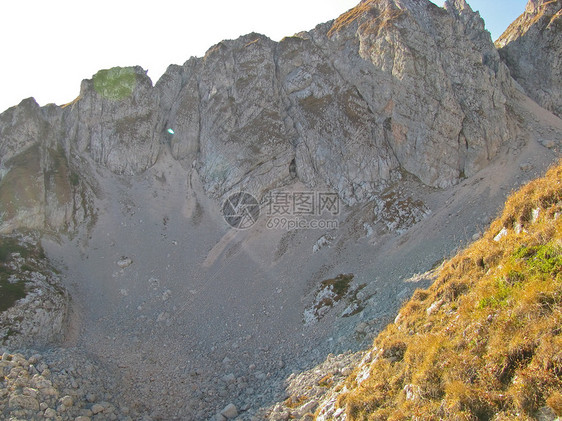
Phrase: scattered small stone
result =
(346, 371)
(361, 327)
(34, 359)
(23, 402)
(229, 378)
(50, 413)
(500, 235)
(97, 408)
(526, 166)
(309, 407)
(230, 411)
(67, 401)
(166, 295)
(29, 391)
(124, 262)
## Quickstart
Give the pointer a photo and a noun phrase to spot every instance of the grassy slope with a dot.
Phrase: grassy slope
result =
(12, 275)
(485, 340)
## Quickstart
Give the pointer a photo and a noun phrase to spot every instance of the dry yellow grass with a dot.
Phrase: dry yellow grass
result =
(377, 18)
(484, 342)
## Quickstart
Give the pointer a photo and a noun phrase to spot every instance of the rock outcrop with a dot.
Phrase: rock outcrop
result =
(44, 184)
(34, 305)
(115, 120)
(532, 49)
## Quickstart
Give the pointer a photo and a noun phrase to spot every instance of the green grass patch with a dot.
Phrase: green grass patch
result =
(543, 259)
(12, 286)
(8, 246)
(339, 285)
(74, 179)
(116, 83)
(10, 292)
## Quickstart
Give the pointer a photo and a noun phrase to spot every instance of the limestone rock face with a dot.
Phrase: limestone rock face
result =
(246, 139)
(39, 185)
(115, 120)
(432, 80)
(338, 142)
(390, 86)
(532, 49)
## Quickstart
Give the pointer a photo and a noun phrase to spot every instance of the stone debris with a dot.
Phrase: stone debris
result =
(58, 385)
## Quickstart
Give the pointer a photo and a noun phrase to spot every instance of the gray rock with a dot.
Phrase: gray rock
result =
(230, 411)
(23, 402)
(97, 408)
(229, 378)
(308, 407)
(116, 120)
(124, 262)
(32, 154)
(67, 401)
(531, 48)
(50, 413)
(39, 318)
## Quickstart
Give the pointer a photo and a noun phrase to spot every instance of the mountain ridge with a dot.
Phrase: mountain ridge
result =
(253, 97)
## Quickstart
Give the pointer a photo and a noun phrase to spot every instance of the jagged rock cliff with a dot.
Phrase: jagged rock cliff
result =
(532, 48)
(43, 182)
(347, 101)
(391, 85)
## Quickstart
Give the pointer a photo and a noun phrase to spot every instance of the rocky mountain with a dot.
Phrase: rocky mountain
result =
(531, 49)
(389, 86)
(374, 145)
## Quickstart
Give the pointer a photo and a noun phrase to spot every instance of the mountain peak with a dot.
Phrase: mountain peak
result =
(533, 6)
(531, 48)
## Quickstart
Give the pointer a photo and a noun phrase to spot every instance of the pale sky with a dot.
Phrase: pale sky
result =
(48, 47)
